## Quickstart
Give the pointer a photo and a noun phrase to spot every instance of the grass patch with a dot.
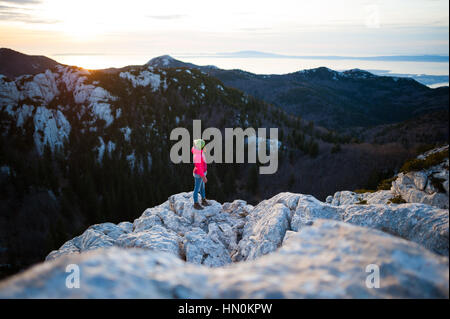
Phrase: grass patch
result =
(363, 190)
(383, 185)
(424, 148)
(386, 184)
(420, 164)
(397, 200)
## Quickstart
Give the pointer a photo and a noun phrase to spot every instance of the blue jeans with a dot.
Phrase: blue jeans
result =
(199, 186)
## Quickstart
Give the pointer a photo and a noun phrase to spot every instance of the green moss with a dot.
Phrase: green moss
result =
(424, 148)
(386, 183)
(363, 190)
(5, 79)
(420, 164)
(397, 200)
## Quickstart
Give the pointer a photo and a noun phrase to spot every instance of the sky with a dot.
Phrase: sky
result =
(77, 28)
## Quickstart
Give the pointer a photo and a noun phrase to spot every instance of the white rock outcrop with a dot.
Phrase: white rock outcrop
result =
(348, 197)
(412, 187)
(416, 187)
(43, 87)
(9, 94)
(328, 259)
(29, 97)
(232, 232)
(208, 237)
(51, 128)
(288, 246)
(144, 78)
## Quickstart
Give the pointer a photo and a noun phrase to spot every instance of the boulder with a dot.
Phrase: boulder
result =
(348, 198)
(309, 208)
(264, 231)
(405, 186)
(419, 186)
(423, 224)
(155, 238)
(378, 197)
(345, 198)
(206, 249)
(266, 226)
(420, 179)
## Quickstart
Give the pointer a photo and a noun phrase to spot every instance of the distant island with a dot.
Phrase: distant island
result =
(259, 54)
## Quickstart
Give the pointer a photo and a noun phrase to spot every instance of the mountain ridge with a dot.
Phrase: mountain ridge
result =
(335, 99)
(14, 63)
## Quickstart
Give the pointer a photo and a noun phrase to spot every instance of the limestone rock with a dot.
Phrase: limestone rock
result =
(326, 260)
(343, 198)
(413, 187)
(418, 186)
(420, 179)
(266, 226)
(156, 238)
(208, 236)
(206, 249)
(419, 223)
(405, 186)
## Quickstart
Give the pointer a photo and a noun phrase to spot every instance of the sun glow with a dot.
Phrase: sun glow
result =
(80, 20)
(73, 28)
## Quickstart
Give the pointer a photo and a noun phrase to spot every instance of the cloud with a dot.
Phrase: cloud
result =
(79, 54)
(167, 17)
(16, 16)
(22, 1)
(10, 13)
(255, 29)
(4, 8)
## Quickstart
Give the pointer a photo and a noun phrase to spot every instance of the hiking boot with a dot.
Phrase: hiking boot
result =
(205, 202)
(197, 206)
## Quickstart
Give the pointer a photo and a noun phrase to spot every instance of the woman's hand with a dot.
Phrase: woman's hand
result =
(205, 180)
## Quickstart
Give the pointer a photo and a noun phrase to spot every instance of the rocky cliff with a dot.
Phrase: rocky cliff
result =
(288, 246)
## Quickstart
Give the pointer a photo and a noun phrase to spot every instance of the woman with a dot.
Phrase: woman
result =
(199, 173)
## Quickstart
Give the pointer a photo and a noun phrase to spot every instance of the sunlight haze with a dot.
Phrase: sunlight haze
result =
(96, 34)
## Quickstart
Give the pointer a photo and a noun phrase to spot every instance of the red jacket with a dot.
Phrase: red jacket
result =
(199, 162)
